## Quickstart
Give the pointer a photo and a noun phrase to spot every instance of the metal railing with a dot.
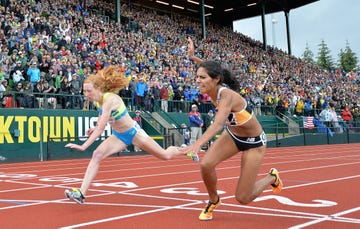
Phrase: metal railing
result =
(33, 99)
(314, 136)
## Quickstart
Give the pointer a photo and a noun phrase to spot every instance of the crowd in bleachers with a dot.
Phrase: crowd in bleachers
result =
(50, 46)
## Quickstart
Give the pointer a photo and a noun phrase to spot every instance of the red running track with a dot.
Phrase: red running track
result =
(321, 190)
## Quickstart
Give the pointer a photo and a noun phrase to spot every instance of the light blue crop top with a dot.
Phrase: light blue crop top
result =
(115, 114)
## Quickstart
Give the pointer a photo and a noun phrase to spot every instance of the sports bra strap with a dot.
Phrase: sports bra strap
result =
(106, 95)
(218, 95)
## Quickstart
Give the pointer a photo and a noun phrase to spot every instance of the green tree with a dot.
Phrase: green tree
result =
(347, 58)
(308, 55)
(324, 58)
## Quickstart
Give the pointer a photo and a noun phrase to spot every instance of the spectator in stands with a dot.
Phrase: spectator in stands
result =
(164, 97)
(18, 77)
(3, 92)
(356, 117)
(137, 118)
(299, 107)
(308, 104)
(156, 90)
(2, 73)
(335, 121)
(256, 101)
(209, 119)
(140, 90)
(102, 89)
(50, 77)
(149, 98)
(155, 54)
(196, 123)
(170, 98)
(187, 93)
(18, 70)
(65, 91)
(29, 98)
(76, 90)
(186, 134)
(280, 108)
(179, 100)
(6, 67)
(320, 126)
(347, 115)
(197, 101)
(187, 97)
(269, 103)
(58, 79)
(126, 94)
(39, 89)
(33, 74)
(243, 133)
(50, 100)
(194, 92)
(326, 116)
(19, 95)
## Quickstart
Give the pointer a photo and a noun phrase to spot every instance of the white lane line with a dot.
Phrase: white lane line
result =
(236, 158)
(125, 216)
(326, 218)
(196, 182)
(237, 177)
(314, 215)
(343, 220)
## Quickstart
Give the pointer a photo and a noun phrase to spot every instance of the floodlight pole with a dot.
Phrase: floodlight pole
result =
(203, 19)
(273, 21)
(263, 25)
(118, 16)
(288, 30)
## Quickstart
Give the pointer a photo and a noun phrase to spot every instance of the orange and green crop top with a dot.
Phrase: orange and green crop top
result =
(237, 118)
(115, 114)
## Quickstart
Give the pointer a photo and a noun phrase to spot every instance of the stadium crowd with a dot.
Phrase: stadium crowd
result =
(51, 46)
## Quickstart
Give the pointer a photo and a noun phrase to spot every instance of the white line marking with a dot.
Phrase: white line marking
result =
(235, 158)
(22, 189)
(326, 218)
(124, 216)
(345, 219)
(224, 166)
(255, 213)
(237, 177)
(277, 215)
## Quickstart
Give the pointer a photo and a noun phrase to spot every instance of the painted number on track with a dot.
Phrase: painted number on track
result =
(116, 185)
(189, 191)
(60, 179)
(16, 175)
(287, 201)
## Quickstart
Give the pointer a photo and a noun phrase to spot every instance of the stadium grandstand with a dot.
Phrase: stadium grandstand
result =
(225, 12)
(49, 47)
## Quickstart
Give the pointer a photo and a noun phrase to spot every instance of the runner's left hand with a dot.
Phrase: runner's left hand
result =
(74, 146)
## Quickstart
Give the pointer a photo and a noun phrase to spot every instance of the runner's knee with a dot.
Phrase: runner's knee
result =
(242, 198)
(97, 155)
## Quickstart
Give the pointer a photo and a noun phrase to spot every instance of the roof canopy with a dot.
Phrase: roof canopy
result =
(223, 12)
